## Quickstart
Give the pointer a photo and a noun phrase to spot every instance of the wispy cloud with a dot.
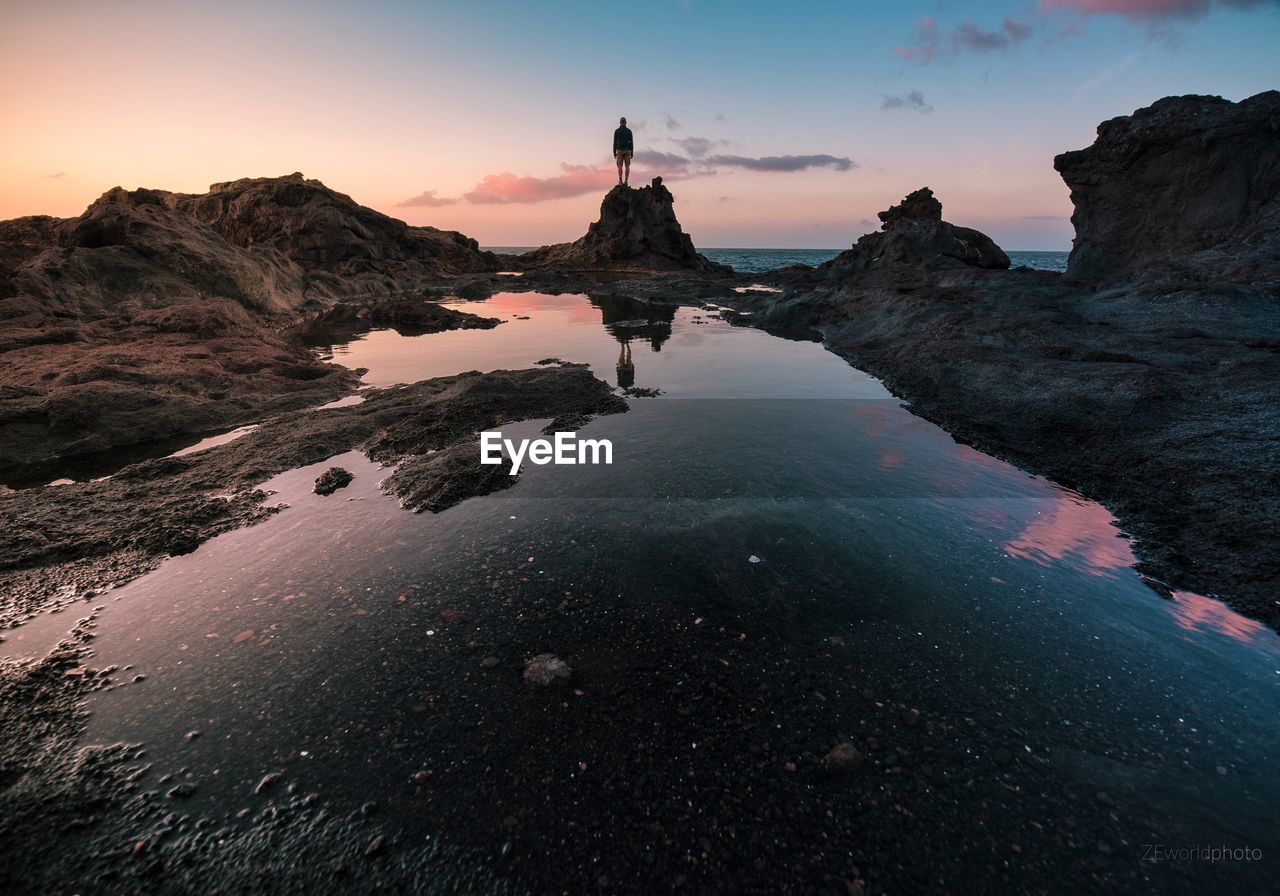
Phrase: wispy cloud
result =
(698, 146)
(912, 99)
(932, 43)
(1152, 12)
(670, 121)
(427, 199)
(506, 188)
(658, 159)
(783, 163)
(56, 175)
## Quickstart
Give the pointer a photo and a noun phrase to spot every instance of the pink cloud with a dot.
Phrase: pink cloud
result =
(1149, 11)
(577, 180)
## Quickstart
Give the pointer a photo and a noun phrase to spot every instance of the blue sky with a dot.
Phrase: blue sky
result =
(465, 116)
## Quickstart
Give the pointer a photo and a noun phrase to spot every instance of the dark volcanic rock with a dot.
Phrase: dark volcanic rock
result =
(331, 480)
(1188, 188)
(326, 231)
(637, 231)
(913, 238)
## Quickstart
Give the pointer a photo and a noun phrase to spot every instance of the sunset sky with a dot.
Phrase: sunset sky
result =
(776, 125)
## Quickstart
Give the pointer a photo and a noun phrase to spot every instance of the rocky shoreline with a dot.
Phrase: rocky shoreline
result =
(1143, 379)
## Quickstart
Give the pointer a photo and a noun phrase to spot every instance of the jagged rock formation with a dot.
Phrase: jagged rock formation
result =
(1186, 188)
(913, 238)
(269, 244)
(637, 231)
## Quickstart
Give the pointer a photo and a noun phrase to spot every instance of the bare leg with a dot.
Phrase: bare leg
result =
(618, 157)
(627, 176)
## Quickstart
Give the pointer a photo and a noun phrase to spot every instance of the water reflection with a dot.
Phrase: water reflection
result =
(1077, 530)
(1195, 613)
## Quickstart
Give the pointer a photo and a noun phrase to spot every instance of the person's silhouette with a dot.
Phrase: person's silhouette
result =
(623, 147)
(626, 369)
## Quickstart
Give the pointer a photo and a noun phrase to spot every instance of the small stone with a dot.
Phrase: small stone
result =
(842, 758)
(453, 616)
(421, 777)
(547, 669)
(191, 735)
(181, 791)
(368, 808)
(331, 480)
(267, 781)
(489, 662)
(377, 846)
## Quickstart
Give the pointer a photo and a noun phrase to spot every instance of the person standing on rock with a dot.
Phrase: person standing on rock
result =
(623, 147)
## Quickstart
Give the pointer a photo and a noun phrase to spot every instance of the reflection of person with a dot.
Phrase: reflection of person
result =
(626, 369)
(623, 147)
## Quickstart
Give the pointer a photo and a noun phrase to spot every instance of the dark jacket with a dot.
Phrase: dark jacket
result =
(622, 139)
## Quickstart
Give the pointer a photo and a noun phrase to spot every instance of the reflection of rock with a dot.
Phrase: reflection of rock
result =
(637, 231)
(407, 316)
(1186, 187)
(331, 480)
(628, 318)
(913, 238)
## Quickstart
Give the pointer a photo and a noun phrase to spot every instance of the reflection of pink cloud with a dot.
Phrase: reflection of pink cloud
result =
(510, 303)
(1073, 529)
(577, 180)
(1195, 612)
(890, 459)
(1147, 11)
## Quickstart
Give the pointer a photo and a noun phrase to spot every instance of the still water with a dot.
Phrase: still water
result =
(768, 487)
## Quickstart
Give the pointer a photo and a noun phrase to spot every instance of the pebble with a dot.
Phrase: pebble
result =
(547, 669)
(377, 846)
(841, 758)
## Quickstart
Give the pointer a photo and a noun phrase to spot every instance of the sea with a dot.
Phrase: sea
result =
(755, 261)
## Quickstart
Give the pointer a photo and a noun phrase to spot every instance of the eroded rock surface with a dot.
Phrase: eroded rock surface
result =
(1186, 188)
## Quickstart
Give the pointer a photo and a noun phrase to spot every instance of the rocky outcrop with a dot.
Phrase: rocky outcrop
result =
(132, 248)
(328, 232)
(913, 239)
(1187, 188)
(637, 231)
(154, 315)
(270, 244)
